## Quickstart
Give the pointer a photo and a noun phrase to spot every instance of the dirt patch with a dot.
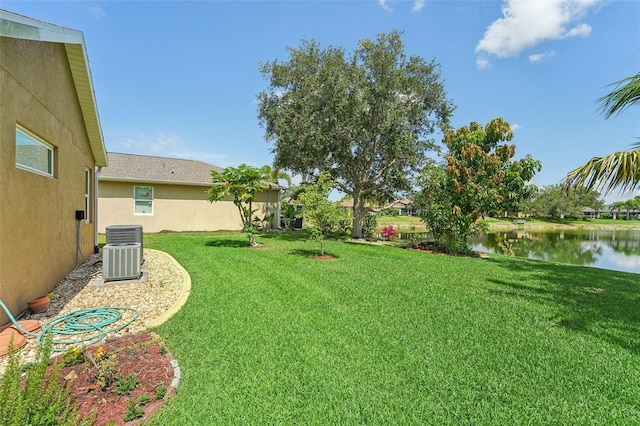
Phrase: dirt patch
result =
(143, 355)
(323, 257)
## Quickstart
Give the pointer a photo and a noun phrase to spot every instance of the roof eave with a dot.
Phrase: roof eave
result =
(79, 65)
(18, 26)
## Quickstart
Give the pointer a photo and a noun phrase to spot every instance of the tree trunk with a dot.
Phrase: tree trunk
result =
(358, 215)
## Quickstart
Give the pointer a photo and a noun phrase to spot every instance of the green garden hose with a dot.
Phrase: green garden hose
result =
(88, 326)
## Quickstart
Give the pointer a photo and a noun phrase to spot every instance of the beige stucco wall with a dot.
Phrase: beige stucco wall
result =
(177, 208)
(37, 213)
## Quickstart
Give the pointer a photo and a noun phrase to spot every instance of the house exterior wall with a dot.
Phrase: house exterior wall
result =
(177, 208)
(37, 213)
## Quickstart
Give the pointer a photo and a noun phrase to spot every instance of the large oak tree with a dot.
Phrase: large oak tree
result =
(366, 118)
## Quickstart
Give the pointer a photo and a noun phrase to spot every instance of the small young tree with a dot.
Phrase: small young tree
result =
(288, 214)
(323, 214)
(478, 178)
(242, 183)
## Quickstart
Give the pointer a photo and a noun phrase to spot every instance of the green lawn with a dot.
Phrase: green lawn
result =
(384, 335)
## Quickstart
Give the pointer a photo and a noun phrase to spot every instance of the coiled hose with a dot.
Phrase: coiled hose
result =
(86, 326)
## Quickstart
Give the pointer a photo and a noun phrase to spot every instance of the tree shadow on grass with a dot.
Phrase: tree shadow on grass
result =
(285, 235)
(601, 303)
(227, 243)
(310, 253)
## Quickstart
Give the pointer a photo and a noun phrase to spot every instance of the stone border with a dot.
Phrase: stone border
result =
(155, 406)
(182, 298)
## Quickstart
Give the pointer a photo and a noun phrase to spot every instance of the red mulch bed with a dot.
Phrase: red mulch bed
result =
(142, 354)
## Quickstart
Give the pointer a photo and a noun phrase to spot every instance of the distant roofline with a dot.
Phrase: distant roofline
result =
(153, 181)
(103, 177)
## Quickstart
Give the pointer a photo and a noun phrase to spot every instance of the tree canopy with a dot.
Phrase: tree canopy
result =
(365, 118)
(561, 201)
(478, 178)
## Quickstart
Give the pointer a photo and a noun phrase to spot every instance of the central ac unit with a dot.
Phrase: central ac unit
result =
(121, 234)
(121, 261)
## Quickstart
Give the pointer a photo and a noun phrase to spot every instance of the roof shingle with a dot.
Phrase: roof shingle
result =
(144, 168)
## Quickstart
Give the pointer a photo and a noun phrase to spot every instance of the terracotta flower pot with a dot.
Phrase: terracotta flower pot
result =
(11, 339)
(39, 304)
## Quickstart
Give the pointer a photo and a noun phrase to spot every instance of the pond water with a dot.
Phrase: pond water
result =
(609, 249)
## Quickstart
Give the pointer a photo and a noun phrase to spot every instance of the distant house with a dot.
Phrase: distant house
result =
(403, 207)
(50, 144)
(168, 194)
(624, 214)
(590, 213)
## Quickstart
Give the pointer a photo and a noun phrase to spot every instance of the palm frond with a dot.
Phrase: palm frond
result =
(618, 170)
(626, 93)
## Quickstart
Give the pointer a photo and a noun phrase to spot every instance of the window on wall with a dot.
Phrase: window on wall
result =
(142, 200)
(87, 195)
(33, 154)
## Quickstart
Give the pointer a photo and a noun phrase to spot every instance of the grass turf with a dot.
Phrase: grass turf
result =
(383, 335)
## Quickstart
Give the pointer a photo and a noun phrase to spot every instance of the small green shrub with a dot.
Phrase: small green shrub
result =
(107, 371)
(144, 399)
(40, 399)
(133, 411)
(369, 225)
(161, 391)
(126, 383)
(73, 356)
(163, 350)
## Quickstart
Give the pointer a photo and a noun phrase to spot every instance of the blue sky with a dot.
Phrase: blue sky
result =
(180, 79)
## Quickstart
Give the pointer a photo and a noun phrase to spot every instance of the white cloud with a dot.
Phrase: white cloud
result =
(167, 145)
(386, 4)
(539, 57)
(582, 30)
(417, 5)
(527, 23)
(97, 12)
(515, 127)
(482, 62)
(162, 144)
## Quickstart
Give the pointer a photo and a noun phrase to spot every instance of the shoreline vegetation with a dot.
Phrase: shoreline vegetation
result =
(408, 223)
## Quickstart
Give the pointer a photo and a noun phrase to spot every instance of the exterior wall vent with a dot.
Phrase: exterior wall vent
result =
(121, 261)
(126, 234)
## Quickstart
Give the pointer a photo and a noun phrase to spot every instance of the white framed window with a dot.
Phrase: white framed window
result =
(143, 200)
(87, 195)
(33, 154)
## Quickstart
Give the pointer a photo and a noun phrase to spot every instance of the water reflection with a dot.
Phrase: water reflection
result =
(609, 249)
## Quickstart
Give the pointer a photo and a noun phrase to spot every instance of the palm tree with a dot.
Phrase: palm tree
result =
(625, 206)
(276, 174)
(622, 168)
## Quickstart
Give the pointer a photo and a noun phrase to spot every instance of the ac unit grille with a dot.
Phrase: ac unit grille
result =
(121, 261)
(126, 234)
